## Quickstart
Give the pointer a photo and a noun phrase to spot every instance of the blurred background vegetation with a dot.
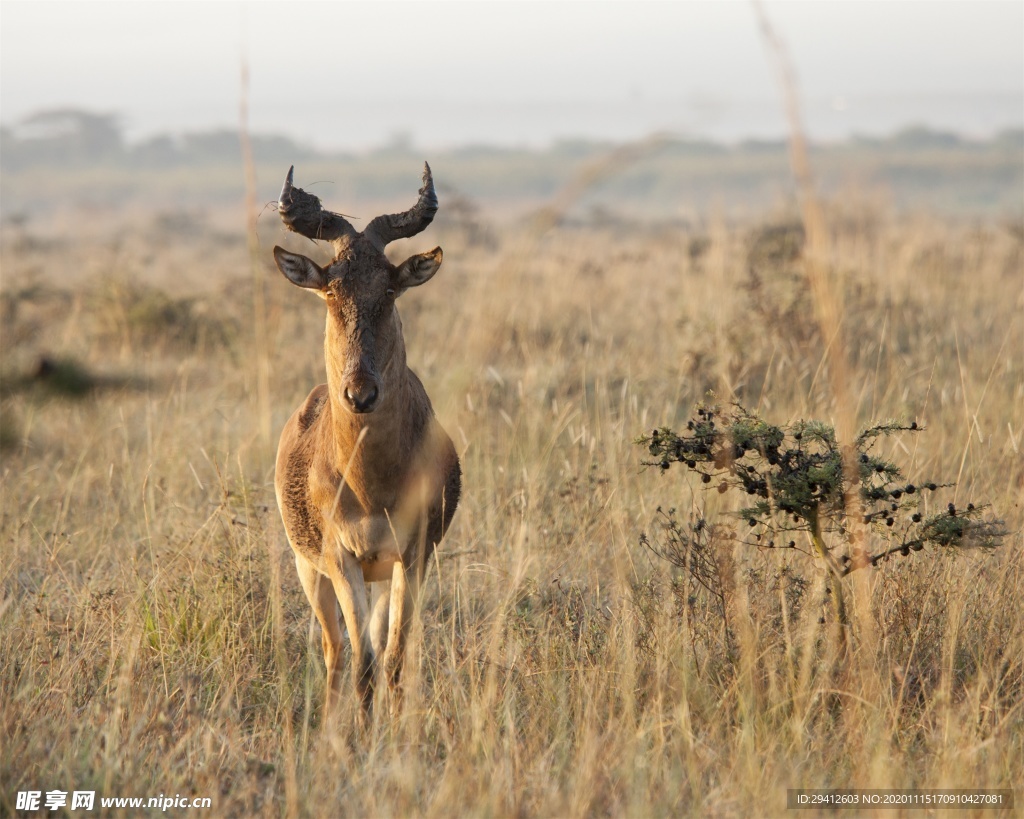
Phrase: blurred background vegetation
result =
(71, 157)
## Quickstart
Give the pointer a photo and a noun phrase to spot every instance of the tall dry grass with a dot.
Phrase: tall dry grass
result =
(155, 639)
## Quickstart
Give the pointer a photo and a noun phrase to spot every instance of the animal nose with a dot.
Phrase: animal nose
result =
(362, 396)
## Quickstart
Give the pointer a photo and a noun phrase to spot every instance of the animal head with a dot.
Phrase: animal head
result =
(360, 286)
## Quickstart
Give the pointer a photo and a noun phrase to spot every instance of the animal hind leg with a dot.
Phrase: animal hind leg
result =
(381, 597)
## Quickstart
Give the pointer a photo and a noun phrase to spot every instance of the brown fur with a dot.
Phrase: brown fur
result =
(365, 494)
(313, 496)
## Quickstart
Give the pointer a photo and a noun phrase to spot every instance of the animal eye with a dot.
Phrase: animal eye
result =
(389, 292)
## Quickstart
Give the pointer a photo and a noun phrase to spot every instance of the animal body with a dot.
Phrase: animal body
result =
(367, 481)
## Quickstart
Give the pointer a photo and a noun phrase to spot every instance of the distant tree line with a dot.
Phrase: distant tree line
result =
(71, 138)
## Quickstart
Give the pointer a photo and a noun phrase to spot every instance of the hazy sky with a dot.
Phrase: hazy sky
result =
(352, 75)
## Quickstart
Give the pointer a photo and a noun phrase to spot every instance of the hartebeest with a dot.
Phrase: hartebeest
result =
(367, 480)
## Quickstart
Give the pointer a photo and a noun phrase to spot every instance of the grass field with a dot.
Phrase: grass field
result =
(154, 638)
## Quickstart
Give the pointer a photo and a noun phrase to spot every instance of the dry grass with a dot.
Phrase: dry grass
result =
(155, 639)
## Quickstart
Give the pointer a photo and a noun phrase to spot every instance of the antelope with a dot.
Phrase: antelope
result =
(367, 480)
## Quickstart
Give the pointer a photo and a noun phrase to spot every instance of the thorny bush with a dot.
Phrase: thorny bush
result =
(855, 508)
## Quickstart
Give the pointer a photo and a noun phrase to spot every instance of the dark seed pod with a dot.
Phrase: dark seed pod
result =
(722, 487)
(792, 544)
(692, 464)
(932, 487)
(752, 522)
(905, 551)
(896, 494)
(951, 508)
(970, 507)
(890, 521)
(664, 464)
(705, 479)
(916, 517)
(913, 425)
(911, 489)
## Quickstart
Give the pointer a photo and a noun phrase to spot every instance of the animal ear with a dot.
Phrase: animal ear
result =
(419, 268)
(300, 270)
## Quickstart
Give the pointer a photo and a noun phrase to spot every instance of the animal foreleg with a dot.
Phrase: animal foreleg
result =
(351, 592)
(403, 591)
(324, 603)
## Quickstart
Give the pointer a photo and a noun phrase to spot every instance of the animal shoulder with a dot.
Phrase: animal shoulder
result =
(313, 407)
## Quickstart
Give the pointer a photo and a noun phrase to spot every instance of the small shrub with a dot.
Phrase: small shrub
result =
(856, 508)
(56, 377)
(136, 314)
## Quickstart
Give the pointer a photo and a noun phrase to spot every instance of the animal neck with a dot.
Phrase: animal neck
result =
(371, 450)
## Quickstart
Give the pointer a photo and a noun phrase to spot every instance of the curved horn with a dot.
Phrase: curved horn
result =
(302, 213)
(384, 229)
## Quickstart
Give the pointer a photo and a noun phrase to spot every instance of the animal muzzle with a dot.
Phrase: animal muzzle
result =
(362, 392)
